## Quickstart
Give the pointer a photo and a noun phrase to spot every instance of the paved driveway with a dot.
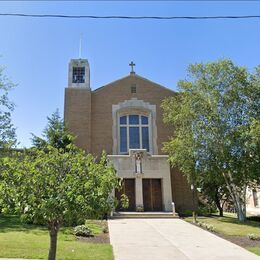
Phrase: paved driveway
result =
(162, 239)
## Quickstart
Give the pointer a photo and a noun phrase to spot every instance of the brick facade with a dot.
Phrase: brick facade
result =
(88, 115)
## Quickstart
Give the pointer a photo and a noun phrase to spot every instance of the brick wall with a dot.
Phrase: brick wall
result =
(119, 91)
(89, 117)
(77, 115)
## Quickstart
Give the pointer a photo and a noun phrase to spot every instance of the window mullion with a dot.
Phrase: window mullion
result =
(119, 139)
(127, 133)
(140, 133)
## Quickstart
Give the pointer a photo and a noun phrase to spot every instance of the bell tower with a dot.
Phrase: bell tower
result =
(79, 74)
(77, 105)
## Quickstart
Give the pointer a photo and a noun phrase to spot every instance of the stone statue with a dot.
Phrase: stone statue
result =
(138, 163)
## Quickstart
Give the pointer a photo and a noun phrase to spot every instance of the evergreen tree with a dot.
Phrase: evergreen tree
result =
(7, 130)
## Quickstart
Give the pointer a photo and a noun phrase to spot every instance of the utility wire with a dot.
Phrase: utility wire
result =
(131, 17)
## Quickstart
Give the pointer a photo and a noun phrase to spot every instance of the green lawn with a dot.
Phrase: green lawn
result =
(95, 225)
(31, 241)
(255, 250)
(230, 226)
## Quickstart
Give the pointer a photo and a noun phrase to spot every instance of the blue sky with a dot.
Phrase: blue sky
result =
(36, 51)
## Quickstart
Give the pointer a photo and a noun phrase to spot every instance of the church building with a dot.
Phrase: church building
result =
(125, 119)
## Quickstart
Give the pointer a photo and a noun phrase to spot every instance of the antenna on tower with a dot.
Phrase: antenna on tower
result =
(80, 45)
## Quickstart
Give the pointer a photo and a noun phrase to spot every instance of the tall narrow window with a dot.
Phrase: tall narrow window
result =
(134, 132)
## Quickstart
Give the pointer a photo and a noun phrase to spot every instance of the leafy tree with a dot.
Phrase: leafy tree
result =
(53, 187)
(180, 149)
(215, 119)
(7, 130)
(55, 182)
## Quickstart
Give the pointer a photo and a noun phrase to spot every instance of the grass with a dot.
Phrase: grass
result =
(230, 226)
(255, 250)
(96, 226)
(32, 241)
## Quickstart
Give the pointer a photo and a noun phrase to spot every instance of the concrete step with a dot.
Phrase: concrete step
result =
(122, 214)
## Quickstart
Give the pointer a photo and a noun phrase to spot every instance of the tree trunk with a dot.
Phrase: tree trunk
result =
(220, 212)
(53, 231)
(222, 208)
(239, 203)
(218, 203)
(236, 197)
(194, 215)
(244, 200)
(240, 213)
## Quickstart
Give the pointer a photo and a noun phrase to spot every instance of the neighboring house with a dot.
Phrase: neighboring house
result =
(125, 119)
(253, 201)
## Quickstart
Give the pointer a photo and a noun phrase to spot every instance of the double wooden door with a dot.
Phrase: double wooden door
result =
(152, 194)
(127, 188)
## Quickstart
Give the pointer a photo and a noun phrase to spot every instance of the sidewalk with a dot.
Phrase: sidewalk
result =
(175, 239)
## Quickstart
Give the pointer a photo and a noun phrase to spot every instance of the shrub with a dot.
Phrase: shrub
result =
(254, 218)
(254, 237)
(201, 211)
(82, 231)
(205, 210)
(124, 201)
(185, 213)
(105, 229)
(206, 226)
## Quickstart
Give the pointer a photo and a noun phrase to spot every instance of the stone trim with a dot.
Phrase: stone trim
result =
(153, 167)
(133, 105)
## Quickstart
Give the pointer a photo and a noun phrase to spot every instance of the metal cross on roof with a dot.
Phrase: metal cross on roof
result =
(132, 67)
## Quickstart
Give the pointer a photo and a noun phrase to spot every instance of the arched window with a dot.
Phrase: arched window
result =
(133, 132)
(134, 126)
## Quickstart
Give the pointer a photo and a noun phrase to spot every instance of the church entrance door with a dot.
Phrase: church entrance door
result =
(128, 188)
(152, 194)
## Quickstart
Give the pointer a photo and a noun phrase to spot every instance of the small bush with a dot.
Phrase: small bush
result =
(254, 237)
(205, 211)
(124, 201)
(82, 231)
(105, 230)
(254, 218)
(185, 213)
(206, 226)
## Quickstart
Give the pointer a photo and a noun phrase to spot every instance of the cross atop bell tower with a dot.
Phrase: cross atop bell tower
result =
(132, 67)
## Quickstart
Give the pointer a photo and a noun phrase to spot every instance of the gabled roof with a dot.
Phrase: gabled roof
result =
(133, 75)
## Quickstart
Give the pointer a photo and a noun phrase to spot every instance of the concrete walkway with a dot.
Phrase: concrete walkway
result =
(175, 239)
